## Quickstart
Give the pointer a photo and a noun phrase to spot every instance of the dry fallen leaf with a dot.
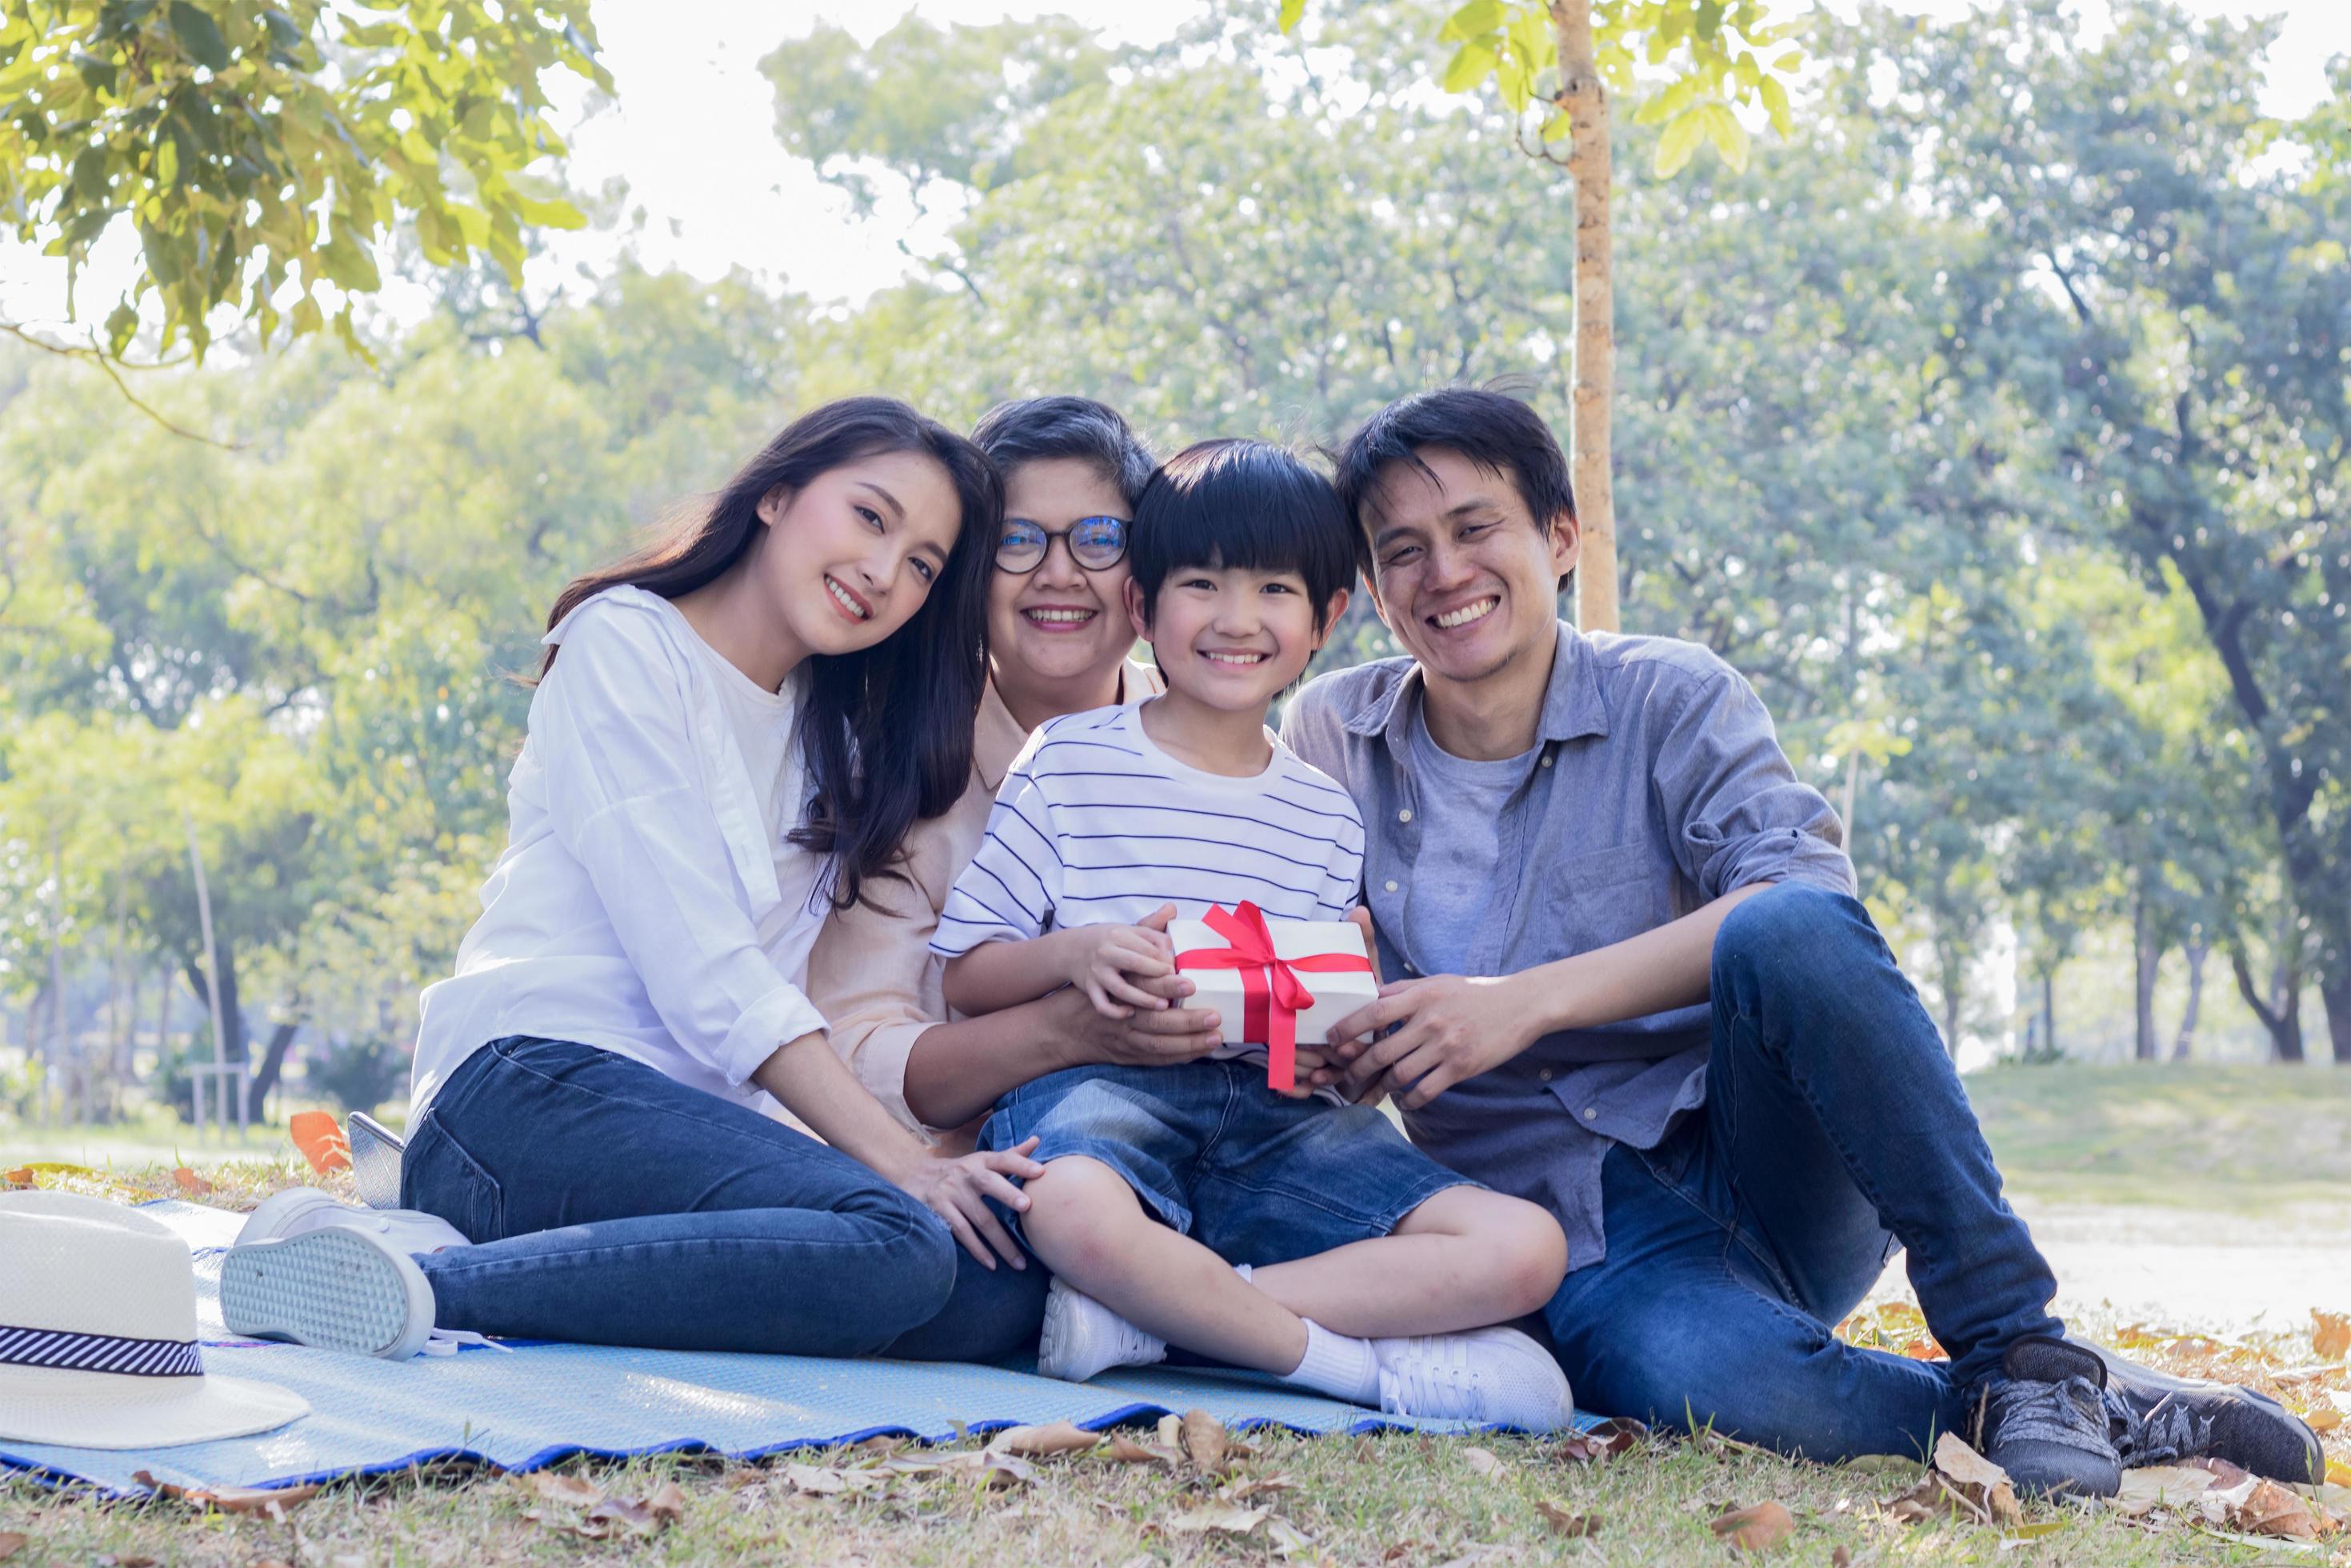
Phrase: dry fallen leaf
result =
(569, 1490)
(1840, 1558)
(2271, 1509)
(815, 1479)
(1171, 1430)
(22, 1176)
(1216, 1521)
(275, 1501)
(2338, 1473)
(1982, 1482)
(11, 1542)
(1565, 1520)
(1485, 1461)
(2160, 1486)
(322, 1143)
(1204, 1442)
(1039, 1442)
(2330, 1334)
(1262, 1486)
(2324, 1419)
(668, 1504)
(1125, 1450)
(1757, 1529)
(189, 1182)
(993, 1468)
(1604, 1442)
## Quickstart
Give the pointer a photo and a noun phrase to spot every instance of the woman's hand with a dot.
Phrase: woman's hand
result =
(957, 1191)
(1110, 963)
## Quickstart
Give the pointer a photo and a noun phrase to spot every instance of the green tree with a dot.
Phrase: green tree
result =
(263, 153)
(2172, 303)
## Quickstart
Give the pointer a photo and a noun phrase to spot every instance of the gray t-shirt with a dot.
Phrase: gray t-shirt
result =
(1458, 880)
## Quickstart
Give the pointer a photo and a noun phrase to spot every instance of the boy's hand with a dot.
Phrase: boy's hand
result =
(1107, 961)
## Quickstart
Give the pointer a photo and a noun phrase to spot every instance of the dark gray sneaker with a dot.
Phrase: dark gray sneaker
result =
(2042, 1418)
(2156, 1419)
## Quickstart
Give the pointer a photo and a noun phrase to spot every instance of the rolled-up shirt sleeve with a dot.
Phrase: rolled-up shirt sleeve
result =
(625, 799)
(1735, 812)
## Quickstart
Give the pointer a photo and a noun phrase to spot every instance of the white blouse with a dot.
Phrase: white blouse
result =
(645, 903)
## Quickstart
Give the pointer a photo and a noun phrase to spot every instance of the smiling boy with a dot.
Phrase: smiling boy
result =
(1189, 1203)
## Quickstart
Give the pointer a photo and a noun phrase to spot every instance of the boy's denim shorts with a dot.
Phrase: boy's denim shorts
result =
(1252, 1175)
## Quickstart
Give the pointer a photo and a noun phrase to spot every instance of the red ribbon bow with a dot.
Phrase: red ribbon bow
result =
(1273, 996)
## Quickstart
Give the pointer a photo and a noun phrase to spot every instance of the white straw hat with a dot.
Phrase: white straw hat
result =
(97, 1334)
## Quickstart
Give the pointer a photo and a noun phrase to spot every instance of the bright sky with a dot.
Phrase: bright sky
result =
(691, 134)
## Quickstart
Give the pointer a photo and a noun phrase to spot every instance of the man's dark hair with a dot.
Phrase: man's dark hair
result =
(1492, 429)
(1033, 428)
(1247, 505)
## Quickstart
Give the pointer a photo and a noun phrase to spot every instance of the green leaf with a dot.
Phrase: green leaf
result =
(1474, 20)
(200, 36)
(1293, 13)
(167, 161)
(1730, 137)
(1775, 104)
(1680, 142)
(121, 324)
(1470, 64)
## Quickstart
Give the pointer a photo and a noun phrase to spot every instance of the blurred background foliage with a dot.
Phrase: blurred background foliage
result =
(1994, 421)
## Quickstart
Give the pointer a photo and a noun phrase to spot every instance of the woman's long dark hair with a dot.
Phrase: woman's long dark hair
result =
(886, 731)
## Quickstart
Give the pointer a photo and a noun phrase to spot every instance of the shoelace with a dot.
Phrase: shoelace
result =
(2028, 1410)
(1424, 1379)
(2168, 1433)
(449, 1341)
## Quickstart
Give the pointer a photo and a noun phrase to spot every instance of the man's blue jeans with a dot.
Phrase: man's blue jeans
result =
(1835, 1128)
(610, 1205)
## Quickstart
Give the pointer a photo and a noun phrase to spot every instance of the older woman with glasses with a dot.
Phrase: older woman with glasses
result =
(1059, 641)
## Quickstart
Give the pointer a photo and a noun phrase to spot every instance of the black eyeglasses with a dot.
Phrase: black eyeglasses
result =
(1095, 543)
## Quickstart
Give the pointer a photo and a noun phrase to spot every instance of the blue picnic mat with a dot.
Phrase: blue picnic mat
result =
(536, 1404)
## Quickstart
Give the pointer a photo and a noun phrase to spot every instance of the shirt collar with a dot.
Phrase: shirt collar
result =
(997, 737)
(1572, 706)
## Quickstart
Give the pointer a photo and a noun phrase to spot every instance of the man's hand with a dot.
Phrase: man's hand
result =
(1163, 1036)
(1448, 1028)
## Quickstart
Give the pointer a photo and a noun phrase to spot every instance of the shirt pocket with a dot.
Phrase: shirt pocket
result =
(1594, 900)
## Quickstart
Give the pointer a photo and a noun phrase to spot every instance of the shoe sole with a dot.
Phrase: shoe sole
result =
(331, 1290)
(1051, 1338)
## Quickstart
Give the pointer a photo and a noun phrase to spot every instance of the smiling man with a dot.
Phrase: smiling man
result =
(1629, 980)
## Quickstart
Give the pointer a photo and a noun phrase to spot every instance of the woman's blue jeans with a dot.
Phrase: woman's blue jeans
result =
(609, 1205)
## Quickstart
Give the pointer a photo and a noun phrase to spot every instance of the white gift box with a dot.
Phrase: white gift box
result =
(1336, 993)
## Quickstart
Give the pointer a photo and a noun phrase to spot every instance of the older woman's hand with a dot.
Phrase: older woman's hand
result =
(1148, 1038)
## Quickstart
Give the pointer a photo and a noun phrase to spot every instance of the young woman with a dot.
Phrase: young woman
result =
(1059, 641)
(734, 731)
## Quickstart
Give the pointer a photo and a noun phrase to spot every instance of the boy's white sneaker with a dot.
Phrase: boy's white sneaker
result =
(1494, 1375)
(336, 1287)
(299, 1210)
(1082, 1338)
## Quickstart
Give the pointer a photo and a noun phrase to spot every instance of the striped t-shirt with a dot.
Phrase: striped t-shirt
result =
(1095, 825)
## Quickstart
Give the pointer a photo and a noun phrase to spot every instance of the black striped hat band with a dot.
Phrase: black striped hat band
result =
(69, 1351)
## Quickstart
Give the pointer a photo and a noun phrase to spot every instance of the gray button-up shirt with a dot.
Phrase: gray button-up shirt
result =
(1657, 786)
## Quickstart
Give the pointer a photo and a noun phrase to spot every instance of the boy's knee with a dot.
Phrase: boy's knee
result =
(1534, 1250)
(1077, 1210)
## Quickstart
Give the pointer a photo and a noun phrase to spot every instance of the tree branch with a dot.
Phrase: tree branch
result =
(114, 368)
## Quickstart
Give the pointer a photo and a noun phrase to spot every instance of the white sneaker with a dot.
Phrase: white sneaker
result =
(298, 1210)
(336, 1287)
(1494, 1375)
(1083, 1338)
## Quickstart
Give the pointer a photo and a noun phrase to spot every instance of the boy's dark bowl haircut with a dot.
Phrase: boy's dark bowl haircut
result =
(1249, 506)
(1492, 429)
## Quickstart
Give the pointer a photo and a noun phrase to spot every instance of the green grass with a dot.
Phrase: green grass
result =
(2193, 1136)
(1397, 1499)
(2230, 1139)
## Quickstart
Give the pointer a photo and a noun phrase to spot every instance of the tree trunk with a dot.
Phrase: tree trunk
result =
(273, 1064)
(2049, 1010)
(2148, 954)
(1584, 97)
(2281, 1016)
(232, 1016)
(2198, 948)
(2335, 992)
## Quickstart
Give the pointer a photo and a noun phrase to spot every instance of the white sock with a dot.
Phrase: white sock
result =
(1338, 1366)
(1243, 1270)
